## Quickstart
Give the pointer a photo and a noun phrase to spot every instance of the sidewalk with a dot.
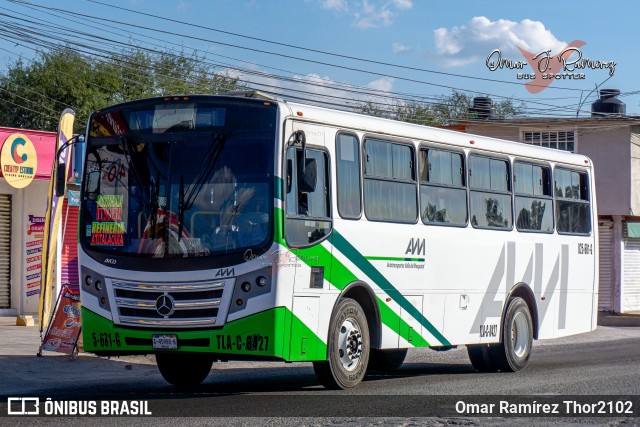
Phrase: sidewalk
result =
(626, 319)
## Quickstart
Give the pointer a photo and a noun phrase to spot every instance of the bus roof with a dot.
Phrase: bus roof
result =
(386, 127)
(419, 133)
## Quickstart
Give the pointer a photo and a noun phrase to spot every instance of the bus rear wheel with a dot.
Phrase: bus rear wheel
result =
(184, 369)
(347, 349)
(513, 353)
(480, 356)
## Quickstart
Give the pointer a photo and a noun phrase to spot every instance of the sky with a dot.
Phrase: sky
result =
(345, 51)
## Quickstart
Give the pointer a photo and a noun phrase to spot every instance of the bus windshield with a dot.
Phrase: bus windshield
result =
(181, 180)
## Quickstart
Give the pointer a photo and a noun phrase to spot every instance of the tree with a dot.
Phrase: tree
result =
(33, 94)
(447, 110)
(182, 74)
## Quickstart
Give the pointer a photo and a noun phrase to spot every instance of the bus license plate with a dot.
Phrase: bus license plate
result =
(165, 341)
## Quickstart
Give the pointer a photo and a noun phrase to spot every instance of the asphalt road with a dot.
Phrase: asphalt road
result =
(604, 362)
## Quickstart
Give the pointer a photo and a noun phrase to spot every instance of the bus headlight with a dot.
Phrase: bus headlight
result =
(94, 284)
(250, 285)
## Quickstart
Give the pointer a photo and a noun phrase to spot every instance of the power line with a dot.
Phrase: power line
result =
(412, 97)
(307, 49)
(93, 49)
(407, 79)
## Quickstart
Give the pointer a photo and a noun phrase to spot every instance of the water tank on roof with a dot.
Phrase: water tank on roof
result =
(482, 108)
(608, 104)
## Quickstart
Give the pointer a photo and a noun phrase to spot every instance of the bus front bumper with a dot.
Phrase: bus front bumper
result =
(259, 336)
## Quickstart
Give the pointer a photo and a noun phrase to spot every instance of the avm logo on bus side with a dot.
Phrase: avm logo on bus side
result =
(416, 247)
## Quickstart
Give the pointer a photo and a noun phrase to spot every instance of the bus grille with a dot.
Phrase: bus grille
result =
(182, 305)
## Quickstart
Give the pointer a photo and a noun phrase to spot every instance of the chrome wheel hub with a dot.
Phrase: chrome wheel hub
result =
(520, 334)
(350, 344)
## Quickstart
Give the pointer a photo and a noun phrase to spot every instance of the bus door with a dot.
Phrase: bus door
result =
(307, 224)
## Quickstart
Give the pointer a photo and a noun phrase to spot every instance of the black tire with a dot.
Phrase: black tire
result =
(479, 354)
(184, 369)
(386, 360)
(348, 347)
(512, 354)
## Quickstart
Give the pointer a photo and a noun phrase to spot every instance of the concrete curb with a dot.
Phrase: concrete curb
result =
(612, 319)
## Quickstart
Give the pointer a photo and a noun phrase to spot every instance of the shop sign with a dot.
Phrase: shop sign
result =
(18, 160)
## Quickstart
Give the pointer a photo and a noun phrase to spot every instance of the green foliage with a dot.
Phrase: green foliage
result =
(447, 110)
(34, 94)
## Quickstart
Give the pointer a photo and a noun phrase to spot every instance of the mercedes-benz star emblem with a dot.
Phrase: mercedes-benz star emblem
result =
(165, 305)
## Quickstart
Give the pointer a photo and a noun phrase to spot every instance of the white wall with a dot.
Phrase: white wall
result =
(609, 148)
(635, 170)
(31, 200)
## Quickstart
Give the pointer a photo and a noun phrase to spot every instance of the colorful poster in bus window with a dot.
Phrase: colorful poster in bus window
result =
(110, 124)
(109, 227)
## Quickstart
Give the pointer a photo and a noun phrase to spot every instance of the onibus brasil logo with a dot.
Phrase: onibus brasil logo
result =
(567, 64)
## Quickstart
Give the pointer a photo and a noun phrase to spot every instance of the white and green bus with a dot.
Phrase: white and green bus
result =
(247, 228)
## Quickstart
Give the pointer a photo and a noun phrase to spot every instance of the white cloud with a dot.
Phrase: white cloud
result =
(368, 13)
(373, 16)
(478, 37)
(384, 84)
(308, 87)
(315, 83)
(400, 48)
(317, 89)
(402, 4)
(339, 5)
(183, 6)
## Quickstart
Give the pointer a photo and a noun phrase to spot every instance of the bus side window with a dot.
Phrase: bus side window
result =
(490, 196)
(573, 209)
(443, 192)
(307, 202)
(348, 176)
(534, 204)
(390, 190)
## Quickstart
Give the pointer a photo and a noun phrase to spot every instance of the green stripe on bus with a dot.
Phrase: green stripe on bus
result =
(339, 276)
(273, 325)
(387, 258)
(340, 243)
(416, 340)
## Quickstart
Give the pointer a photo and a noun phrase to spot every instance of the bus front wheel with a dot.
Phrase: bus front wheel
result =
(348, 348)
(184, 369)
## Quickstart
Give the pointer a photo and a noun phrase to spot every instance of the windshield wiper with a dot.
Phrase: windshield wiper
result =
(155, 196)
(207, 165)
(209, 162)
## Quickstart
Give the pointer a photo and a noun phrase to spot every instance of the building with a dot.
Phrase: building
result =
(612, 141)
(26, 160)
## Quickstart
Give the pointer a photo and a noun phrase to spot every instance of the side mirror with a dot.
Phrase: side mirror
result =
(93, 185)
(309, 176)
(289, 175)
(299, 137)
(61, 179)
